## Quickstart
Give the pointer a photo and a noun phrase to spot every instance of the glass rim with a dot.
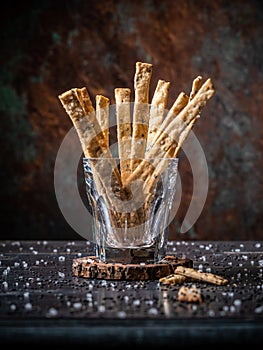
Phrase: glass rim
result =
(128, 158)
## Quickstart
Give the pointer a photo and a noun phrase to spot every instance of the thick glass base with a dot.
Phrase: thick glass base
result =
(147, 255)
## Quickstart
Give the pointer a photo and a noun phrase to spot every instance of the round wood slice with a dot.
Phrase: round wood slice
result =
(90, 267)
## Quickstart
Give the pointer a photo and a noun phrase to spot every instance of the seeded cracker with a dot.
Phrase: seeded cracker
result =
(197, 82)
(190, 294)
(124, 134)
(173, 279)
(158, 105)
(102, 114)
(176, 108)
(140, 120)
(200, 276)
(124, 131)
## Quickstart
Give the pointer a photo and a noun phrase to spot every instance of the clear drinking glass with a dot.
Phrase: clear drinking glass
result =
(130, 223)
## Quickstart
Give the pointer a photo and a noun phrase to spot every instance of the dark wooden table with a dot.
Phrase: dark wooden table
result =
(43, 303)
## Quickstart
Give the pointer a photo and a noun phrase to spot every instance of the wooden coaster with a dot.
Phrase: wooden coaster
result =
(90, 267)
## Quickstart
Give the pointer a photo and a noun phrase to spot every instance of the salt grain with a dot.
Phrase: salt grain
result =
(153, 311)
(52, 312)
(136, 302)
(61, 274)
(77, 306)
(12, 307)
(26, 295)
(259, 309)
(28, 306)
(101, 308)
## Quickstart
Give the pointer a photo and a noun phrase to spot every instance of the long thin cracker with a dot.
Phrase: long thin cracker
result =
(82, 117)
(196, 84)
(178, 105)
(182, 100)
(140, 121)
(157, 108)
(124, 130)
(102, 115)
(84, 100)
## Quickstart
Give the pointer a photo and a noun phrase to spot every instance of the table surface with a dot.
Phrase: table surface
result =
(41, 300)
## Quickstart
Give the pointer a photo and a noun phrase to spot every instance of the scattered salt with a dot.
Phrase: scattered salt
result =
(101, 308)
(26, 295)
(77, 306)
(211, 313)
(12, 307)
(28, 306)
(61, 274)
(136, 302)
(52, 312)
(237, 302)
(259, 309)
(153, 311)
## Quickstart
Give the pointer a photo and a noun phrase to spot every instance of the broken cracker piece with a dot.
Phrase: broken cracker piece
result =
(190, 294)
(200, 275)
(173, 279)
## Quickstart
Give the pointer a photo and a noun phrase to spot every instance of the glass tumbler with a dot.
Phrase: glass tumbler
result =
(130, 220)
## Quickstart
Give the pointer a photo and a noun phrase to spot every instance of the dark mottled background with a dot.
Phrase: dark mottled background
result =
(48, 47)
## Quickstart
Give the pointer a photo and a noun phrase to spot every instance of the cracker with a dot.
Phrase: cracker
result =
(124, 130)
(140, 120)
(124, 134)
(182, 100)
(84, 100)
(102, 115)
(176, 108)
(200, 275)
(73, 102)
(173, 279)
(197, 82)
(190, 294)
(157, 110)
(195, 88)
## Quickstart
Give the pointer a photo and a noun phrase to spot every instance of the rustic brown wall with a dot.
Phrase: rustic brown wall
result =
(50, 47)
